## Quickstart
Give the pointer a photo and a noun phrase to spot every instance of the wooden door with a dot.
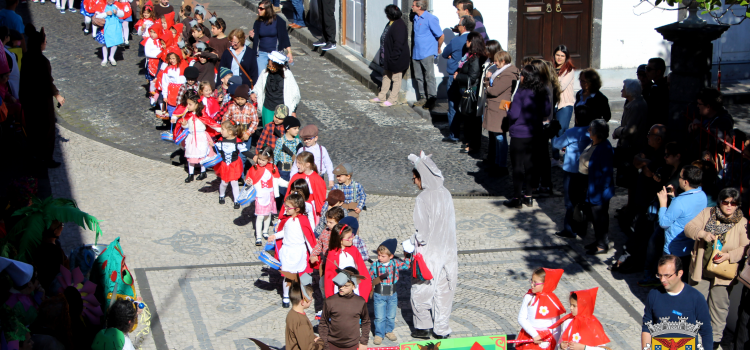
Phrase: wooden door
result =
(545, 24)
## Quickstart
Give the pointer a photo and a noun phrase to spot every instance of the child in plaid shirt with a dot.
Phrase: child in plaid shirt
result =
(386, 269)
(355, 194)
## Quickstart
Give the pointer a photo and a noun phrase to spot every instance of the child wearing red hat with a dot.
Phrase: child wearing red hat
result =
(540, 309)
(582, 330)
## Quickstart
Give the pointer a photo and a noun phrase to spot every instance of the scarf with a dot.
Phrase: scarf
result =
(718, 225)
(497, 72)
(464, 60)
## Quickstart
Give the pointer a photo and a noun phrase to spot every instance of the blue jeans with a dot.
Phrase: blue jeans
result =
(500, 149)
(385, 313)
(563, 115)
(453, 131)
(299, 12)
(262, 61)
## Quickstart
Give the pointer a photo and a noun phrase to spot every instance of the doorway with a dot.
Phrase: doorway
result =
(353, 24)
(545, 24)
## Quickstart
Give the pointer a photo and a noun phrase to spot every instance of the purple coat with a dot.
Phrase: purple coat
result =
(527, 111)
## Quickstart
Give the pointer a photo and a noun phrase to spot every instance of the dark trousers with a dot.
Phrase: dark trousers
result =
(521, 152)
(654, 249)
(328, 20)
(543, 168)
(600, 219)
(574, 192)
(742, 328)
(473, 131)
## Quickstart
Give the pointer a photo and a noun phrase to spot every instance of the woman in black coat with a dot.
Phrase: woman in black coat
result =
(246, 55)
(394, 56)
(590, 103)
(469, 75)
(36, 88)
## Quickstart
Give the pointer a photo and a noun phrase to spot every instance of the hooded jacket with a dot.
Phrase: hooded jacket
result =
(585, 328)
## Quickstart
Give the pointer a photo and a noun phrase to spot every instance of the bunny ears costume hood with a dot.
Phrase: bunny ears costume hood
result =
(435, 239)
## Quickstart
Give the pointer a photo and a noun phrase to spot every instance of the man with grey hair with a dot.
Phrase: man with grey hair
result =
(428, 41)
(452, 54)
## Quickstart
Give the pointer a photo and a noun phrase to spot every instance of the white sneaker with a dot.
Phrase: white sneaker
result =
(104, 63)
(112, 61)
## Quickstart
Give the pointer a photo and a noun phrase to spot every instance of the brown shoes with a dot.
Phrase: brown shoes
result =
(296, 26)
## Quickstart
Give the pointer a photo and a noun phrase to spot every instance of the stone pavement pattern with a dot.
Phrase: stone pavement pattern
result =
(109, 103)
(171, 230)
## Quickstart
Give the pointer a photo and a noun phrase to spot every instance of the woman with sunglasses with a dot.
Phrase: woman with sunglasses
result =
(269, 34)
(720, 235)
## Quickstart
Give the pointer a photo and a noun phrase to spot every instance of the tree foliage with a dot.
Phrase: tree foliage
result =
(734, 13)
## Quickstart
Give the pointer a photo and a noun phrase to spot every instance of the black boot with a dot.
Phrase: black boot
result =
(527, 201)
(236, 205)
(513, 203)
(420, 333)
(221, 200)
(202, 176)
(190, 178)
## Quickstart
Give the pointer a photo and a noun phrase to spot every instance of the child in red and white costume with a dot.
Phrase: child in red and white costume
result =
(540, 309)
(208, 100)
(146, 21)
(89, 8)
(229, 170)
(264, 176)
(297, 240)
(198, 145)
(152, 48)
(582, 330)
(309, 171)
(342, 254)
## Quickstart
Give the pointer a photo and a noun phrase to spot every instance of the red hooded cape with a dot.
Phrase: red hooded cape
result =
(585, 328)
(94, 6)
(304, 223)
(125, 7)
(332, 259)
(170, 21)
(317, 190)
(549, 305)
(210, 123)
(156, 27)
(178, 27)
(255, 174)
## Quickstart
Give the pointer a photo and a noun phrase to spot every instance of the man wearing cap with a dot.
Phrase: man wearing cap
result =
(309, 136)
(272, 130)
(435, 239)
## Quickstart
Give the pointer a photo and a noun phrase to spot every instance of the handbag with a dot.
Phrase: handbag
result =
(724, 270)
(210, 162)
(581, 212)
(468, 103)
(243, 69)
(247, 195)
(419, 268)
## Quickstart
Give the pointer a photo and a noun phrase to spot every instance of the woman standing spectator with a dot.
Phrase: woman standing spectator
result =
(530, 106)
(565, 74)
(240, 59)
(394, 56)
(543, 166)
(36, 88)
(589, 101)
(721, 228)
(596, 163)
(492, 47)
(573, 141)
(269, 35)
(276, 86)
(631, 134)
(469, 76)
(498, 86)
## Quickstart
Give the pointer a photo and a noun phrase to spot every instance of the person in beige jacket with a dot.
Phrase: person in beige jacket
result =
(726, 224)
(498, 88)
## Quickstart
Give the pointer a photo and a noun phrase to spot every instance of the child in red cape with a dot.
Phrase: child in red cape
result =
(152, 49)
(199, 144)
(342, 253)
(540, 309)
(264, 176)
(583, 331)
(309, 171)
(229, 170)
(296, 238)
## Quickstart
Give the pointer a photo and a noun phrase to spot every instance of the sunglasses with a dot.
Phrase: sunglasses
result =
(731, 204)
(261, 8)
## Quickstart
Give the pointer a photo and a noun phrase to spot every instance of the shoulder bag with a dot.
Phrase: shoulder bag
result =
(725, 270)
(240, 65)
(468, 103)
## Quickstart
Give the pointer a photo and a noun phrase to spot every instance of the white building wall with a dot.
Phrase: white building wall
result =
(375, 21)
(628, 35)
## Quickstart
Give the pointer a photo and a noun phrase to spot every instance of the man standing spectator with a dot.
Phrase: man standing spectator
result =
(466, 8)
(163, 8)
(683, 208)
(677, 299)
(435, 240)
(428, 41)
(644, 79)
(327, 10)
(658, 97)
(453, 53)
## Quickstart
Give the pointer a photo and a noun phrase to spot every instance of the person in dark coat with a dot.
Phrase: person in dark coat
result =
(35, 92)
(469, 76)
(246, 55)
(590, 103)
(394, 56)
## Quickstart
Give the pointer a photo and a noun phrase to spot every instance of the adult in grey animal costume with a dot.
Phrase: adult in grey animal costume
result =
(435, 222)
